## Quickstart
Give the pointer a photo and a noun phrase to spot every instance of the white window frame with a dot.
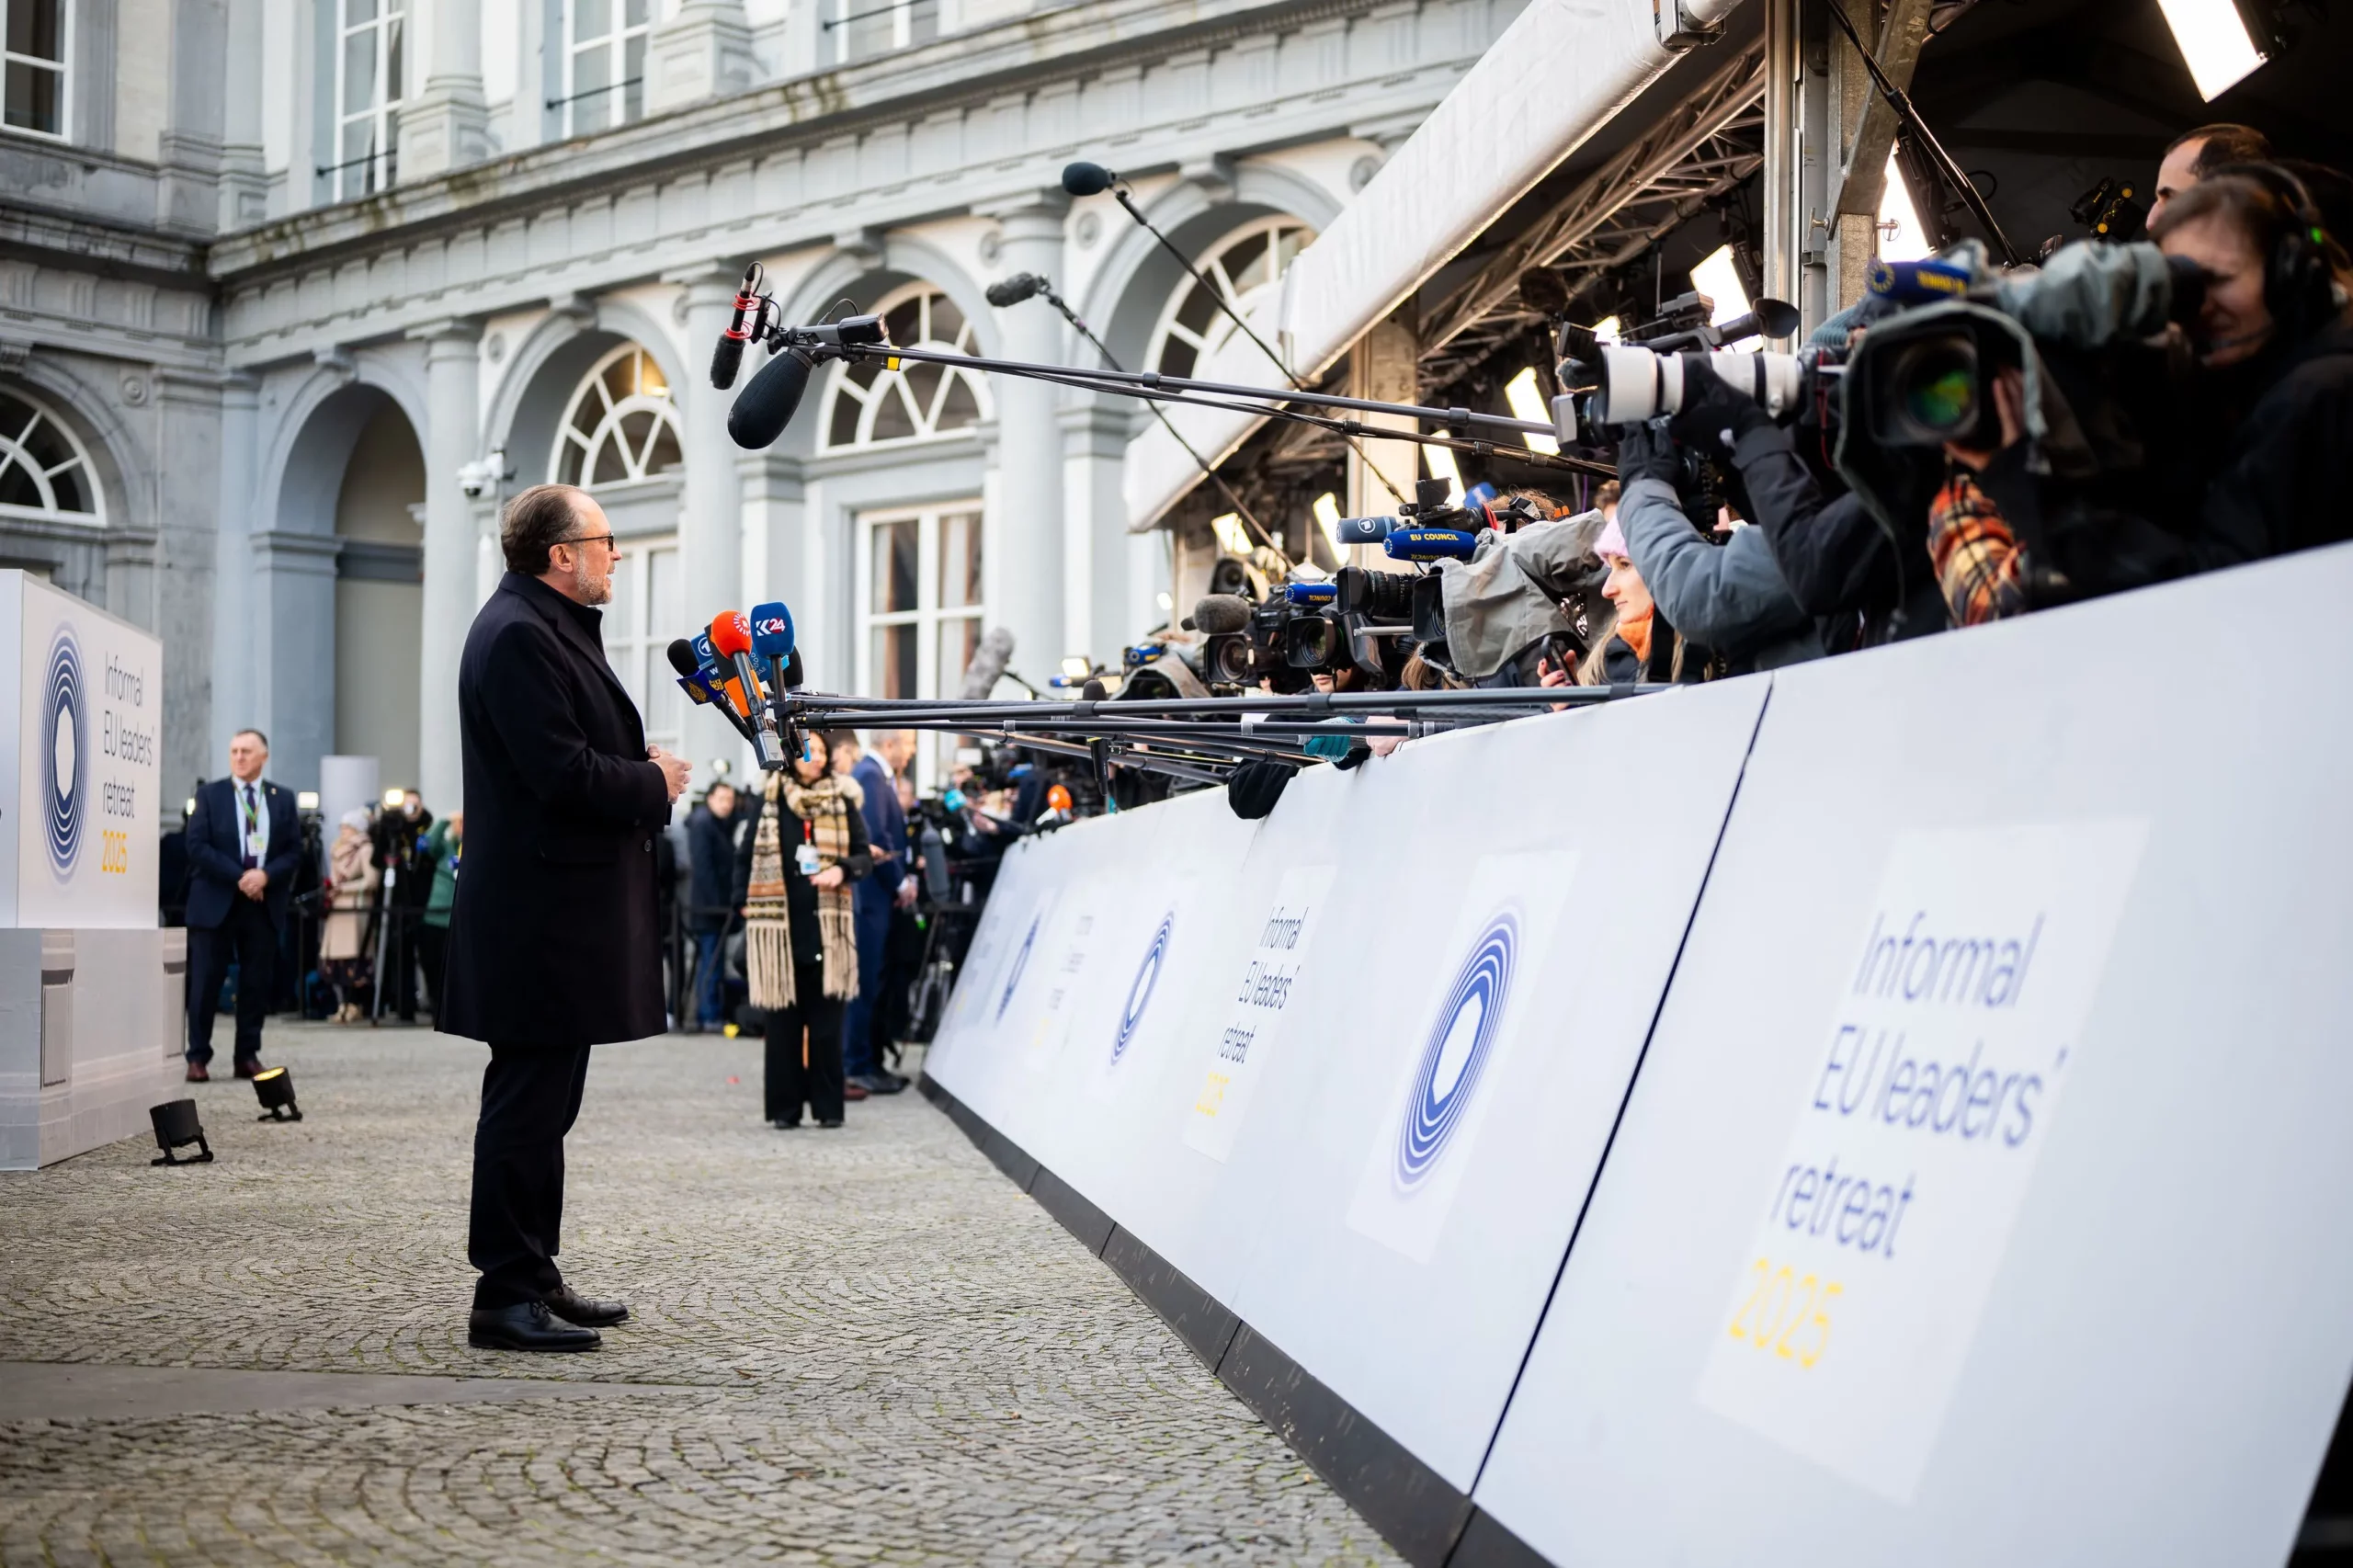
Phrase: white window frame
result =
(616, 38)
(608, 427)
(910, 22)
(63, 67)
(13, 454)
(871, 398)
(1212, 267)
(640, 659)
(928, 616)
(375, 171)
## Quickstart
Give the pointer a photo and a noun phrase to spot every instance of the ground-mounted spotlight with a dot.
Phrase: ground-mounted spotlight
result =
(176, 1128)
(274, 1086)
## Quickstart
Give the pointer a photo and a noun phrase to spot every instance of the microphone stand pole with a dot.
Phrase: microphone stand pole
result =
(1216, 296)
(1047, 290)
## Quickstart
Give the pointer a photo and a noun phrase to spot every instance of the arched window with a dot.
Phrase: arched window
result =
(621, 424)
(1252, 259)
(867, 404)
(44, 473)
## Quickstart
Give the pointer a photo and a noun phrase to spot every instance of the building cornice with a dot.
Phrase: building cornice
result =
(1029, 55)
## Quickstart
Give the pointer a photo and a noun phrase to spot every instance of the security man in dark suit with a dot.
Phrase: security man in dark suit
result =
(554, 941)
(243, 843)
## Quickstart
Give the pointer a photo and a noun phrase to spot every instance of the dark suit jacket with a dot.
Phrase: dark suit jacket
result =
(554, 938)
(216, 849)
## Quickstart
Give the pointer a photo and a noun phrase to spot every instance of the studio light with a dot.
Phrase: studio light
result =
(176, 1128)
(1077, 667)
(1327, 513)
(1901, 236)
(1227, 527)
(306, 800)
(1526, 400)
(274, 1087)
(392, 797)
(1718, 277)
(1441, 466)
(2214, 43)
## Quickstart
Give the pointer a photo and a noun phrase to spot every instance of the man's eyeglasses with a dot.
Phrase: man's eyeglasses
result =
(606, 540)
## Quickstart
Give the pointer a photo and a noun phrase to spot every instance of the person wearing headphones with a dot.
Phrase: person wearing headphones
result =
(2274, 341)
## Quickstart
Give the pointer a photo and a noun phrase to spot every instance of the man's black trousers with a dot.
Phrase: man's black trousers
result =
(530, 1096)
(248, 936)
(817, 1083)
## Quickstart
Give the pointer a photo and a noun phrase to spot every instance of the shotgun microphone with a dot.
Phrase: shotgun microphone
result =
(1087, 179)
(769, 402)
(727, 359)
(1014, 290)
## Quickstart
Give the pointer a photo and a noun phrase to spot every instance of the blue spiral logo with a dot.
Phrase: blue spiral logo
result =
(1483, 983)
(1139, 990)
(1021, 962)
(66, 729)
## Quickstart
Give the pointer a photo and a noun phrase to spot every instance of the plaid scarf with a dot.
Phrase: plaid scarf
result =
(1979, 564)
(825, 807)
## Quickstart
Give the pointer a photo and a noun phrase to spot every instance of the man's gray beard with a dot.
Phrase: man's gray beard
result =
(591, 592)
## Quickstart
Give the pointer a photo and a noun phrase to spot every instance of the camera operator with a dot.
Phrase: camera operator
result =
(2255, 459)
(1862, 583)
(1731, 597)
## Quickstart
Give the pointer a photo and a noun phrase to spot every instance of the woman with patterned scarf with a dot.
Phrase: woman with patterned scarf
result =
(805, 844)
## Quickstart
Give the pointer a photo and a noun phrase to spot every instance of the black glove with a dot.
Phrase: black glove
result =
(1714, 415)
(1252, 789)
(1644, 454)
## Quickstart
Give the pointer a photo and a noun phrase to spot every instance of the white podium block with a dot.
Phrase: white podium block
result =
(90, 988)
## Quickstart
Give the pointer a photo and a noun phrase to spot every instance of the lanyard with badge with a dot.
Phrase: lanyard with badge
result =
(805, 859)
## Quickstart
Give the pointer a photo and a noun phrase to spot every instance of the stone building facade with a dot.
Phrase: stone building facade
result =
(293, 291)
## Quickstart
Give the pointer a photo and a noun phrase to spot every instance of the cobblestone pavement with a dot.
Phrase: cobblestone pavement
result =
(859, 1347)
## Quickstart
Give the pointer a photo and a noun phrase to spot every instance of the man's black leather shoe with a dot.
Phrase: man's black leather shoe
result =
(584, 1312)
(526, 1327)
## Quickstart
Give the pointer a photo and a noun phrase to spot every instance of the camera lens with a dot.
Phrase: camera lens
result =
(1936, 388)
(1228, 658)
(1308, 643)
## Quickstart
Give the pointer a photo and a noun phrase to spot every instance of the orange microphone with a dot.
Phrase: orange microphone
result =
(730, 638)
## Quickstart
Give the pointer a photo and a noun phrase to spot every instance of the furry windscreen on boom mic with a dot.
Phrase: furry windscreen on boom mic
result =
(989, 661)
(1087, 179)
(1221, 613)
(1014, 290)
(767, 405)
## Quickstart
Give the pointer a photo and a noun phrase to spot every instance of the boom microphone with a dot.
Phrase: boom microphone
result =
(1221, 613)
(1087, 179)
(1014, 290)
(996, 652)
(728, 357)
(767, 404)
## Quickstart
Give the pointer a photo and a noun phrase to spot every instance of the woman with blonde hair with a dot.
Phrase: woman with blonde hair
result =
(804, 845)
(352, 880)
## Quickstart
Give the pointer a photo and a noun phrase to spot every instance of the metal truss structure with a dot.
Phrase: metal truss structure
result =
(1699, 151)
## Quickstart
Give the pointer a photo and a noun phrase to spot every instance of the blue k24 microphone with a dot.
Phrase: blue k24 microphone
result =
(772, 639)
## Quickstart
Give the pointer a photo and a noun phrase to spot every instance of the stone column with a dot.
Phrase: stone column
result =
(244, 176)
(704, 52)
(452, 431)
(711, 538)
(1028, 543)
(1098, 614)
(235, 614)
(446, 125)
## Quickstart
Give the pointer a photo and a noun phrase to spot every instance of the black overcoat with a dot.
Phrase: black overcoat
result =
(554, 938)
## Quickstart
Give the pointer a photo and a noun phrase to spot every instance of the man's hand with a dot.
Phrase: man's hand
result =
(905, 897)
(253, 884)
(2009, 411)
(675, 769)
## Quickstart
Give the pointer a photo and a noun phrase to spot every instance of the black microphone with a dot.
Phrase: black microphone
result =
(691, 676)
(1221, 613)
(1087, 179)
(767, 404)
(728, 357)
(1014, 290)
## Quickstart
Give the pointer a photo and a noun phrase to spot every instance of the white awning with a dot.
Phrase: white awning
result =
(1555, 76)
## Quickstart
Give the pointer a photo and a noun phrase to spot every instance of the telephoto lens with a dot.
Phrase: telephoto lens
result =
(1377, 595)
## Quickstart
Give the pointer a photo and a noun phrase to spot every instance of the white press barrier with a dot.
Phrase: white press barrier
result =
(1983, 1175)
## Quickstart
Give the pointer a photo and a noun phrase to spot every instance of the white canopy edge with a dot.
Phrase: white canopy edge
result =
(1558, 73)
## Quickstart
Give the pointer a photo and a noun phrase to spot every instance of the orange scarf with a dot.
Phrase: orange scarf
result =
(1637, 633)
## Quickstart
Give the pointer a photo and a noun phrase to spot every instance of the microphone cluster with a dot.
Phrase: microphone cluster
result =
(722, 668)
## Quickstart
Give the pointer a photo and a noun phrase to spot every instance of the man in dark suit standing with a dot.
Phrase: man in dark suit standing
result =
(554, 941)
(243, 843)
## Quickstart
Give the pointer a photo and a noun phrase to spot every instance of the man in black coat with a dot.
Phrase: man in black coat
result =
(554, 940)
(243, 843)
